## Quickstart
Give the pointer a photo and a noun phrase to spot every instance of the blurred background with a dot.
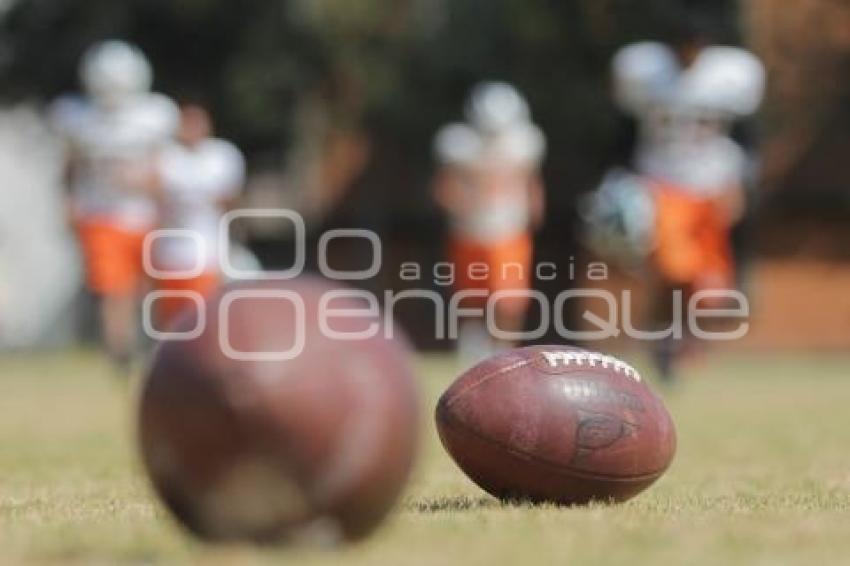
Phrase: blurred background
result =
(335, 104)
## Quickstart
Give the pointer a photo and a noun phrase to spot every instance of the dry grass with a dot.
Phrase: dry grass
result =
(762, 477)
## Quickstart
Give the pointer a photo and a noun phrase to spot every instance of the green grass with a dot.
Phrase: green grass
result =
(762, 477)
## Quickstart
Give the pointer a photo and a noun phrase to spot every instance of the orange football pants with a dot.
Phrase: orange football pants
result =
(112, 256)
(693, 247)
(508, 267)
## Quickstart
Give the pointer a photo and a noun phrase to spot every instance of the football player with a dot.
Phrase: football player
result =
(199, 177)
(113, 134)
(490, 186)
(686, 97)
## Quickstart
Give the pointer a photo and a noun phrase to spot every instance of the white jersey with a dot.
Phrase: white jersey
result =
(195, 181)
(704, 167)
(114, 151)
(685, 114)
(494, 170)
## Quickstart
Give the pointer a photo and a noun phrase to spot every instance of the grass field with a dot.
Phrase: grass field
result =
(762, 477)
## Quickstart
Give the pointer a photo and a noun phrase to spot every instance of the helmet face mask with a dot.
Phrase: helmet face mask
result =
(619, 219)
(113, 71)
(494, 107)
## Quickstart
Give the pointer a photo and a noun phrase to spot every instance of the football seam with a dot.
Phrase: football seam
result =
(487, 377)
(555, 467)
(506, 369)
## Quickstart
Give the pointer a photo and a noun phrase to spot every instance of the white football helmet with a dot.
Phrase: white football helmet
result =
(619, 218)
(113, 71)
(494, 107)
(644, 74)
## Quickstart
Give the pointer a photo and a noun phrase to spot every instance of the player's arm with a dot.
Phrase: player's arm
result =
(71, 167)
(155, 181)
(234, 182)
(229, 197)
(70, 174)
(150, 175)
(537, 199)
(445, 188)
(141, 175)
(70, 170)
(228, 201)
(456, 147)
(63, 117)
(732, 202)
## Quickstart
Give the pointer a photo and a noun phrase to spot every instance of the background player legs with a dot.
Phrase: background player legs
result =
(118, 322)
(113, 258)
(474, 342)
(510, 317)
(667, 351)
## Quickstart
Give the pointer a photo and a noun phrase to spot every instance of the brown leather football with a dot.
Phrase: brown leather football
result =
(556, 424)
(318, 446)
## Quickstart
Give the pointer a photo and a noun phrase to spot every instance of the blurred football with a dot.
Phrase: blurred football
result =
(556, 424)
(242, 444)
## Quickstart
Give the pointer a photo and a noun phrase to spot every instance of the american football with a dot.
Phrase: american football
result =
(425, 282)
(316, 446)
(556, 424)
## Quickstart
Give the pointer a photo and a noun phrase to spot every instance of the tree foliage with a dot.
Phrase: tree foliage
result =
(399, 68)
